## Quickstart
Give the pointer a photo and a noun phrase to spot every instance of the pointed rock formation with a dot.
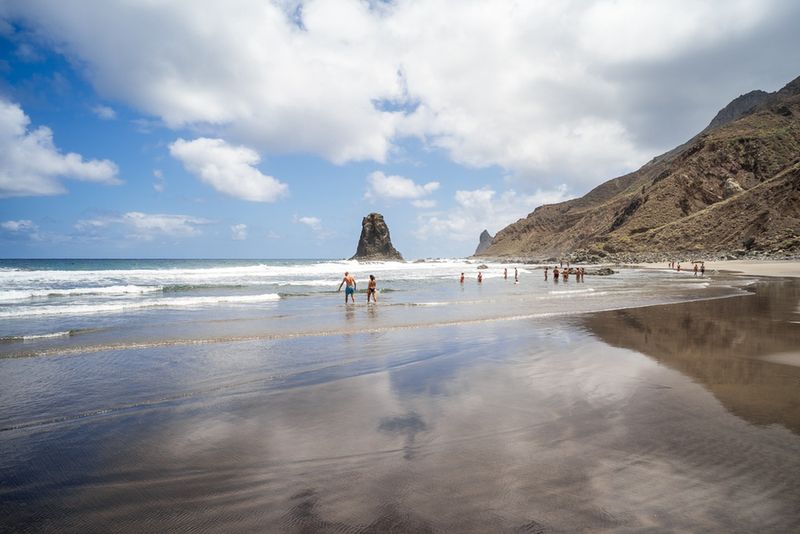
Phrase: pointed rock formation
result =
(484, 242)
(375, 244)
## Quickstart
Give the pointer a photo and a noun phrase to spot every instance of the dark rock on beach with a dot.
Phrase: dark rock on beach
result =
(602, 271)
(375, 244)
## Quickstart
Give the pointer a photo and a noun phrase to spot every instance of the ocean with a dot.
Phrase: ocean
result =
(55, 305)
(245, 395)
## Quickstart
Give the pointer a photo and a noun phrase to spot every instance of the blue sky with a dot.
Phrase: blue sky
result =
(269, 129)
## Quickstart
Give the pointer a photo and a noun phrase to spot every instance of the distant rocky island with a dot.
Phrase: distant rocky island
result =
(484, 241)
(375, 243)
(731, 191)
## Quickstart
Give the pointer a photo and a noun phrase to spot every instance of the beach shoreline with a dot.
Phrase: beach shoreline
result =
(630, 418)
(769, 268)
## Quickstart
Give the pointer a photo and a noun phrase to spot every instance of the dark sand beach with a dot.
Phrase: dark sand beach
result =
(676, 417)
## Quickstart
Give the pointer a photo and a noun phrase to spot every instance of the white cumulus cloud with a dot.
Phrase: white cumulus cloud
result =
(160, 184)
(481, 209)
(22, 225)
(550, 91)
(145, 226)
(239, 232)
(312, 222)
(31, 164)
(227, 168)
(424, 204)
(380, 185)
(104, 112)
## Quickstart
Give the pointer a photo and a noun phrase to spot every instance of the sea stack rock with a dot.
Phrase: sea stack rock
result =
(375, 243)
(485, 241)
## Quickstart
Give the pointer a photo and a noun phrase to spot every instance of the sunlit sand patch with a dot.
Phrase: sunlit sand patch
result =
(785, 358)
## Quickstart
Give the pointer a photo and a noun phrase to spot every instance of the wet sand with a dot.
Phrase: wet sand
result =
(681, 417)
(781, 268)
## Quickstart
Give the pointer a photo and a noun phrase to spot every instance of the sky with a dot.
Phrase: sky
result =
(268, 129)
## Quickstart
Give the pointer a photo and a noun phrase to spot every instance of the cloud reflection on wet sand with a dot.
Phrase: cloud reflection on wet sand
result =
(530, 426)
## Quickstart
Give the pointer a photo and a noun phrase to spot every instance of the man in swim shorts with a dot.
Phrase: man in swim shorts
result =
(350, 289)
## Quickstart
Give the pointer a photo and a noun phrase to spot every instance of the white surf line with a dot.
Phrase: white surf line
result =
(76, 351)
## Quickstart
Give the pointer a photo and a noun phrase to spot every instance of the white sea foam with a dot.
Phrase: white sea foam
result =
(31, 337)
(113, 307)
(571, 291)
(324, 272)
(24, 294)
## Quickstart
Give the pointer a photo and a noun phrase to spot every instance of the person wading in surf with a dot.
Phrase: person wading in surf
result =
(372, 289)
(350, 290)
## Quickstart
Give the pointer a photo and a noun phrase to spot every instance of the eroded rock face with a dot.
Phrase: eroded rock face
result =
(375, 242)
(485, 241)
(730, 188)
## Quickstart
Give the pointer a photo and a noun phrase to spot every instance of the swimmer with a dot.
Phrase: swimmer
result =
(350, 289)
(372, 289)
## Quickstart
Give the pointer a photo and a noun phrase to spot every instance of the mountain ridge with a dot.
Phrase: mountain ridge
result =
(732, 189)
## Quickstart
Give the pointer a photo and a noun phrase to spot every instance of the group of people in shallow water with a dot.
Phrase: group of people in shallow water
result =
(699, 267)
(350, 288)
(564, 273)
(350, 285)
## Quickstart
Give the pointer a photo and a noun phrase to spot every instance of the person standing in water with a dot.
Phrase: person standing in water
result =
(546, 267)
(505, 273)
(350, 289)
(462, 278)
(480, 277)
(372, 289)
(516, 275)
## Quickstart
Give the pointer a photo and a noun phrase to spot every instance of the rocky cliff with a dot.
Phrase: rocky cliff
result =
(375, 244)
(483, 242)
(732, 189)
(738, 107)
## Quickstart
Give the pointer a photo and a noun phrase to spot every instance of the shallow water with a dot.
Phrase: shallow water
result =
(53, 307)
(497, 412)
